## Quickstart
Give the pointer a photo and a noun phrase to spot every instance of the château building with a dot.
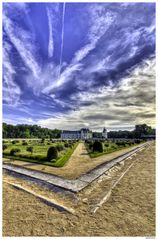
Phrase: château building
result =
(84, 133)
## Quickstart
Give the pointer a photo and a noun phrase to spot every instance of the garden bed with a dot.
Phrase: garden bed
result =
(39, 154)
(78, 164)
(108, 147)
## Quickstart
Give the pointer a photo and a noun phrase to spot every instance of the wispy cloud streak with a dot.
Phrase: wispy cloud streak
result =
(74, 56)
(21, 43)
(11, 91)
(50, 43)
(62, 38)
(100, 23)
(131, 102)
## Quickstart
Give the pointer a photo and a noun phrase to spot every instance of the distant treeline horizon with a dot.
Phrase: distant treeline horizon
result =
(35, 131)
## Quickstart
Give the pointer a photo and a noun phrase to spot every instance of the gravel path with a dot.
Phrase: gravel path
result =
(78, 164)
(130, 210)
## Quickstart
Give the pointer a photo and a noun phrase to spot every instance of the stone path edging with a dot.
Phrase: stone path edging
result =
(75, 185)
(47, 200)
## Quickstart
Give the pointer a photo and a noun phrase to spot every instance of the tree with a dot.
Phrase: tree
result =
(28, 131)
(66, 145)
(125, 134)
(30, 149)
(60, 147)
(14, 151)
(141, 130)
(97, 146)
(24, 143)
(42, 140)
(5, 146)
(14, 142)
(52, 153)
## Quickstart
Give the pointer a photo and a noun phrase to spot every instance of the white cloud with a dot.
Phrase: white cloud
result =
(20, 120)
(47, 79)
(64, 77)
(131, 102)
(50, 43)
(21, 40)
(100, 21)
(62, 37)
(11, 91)
(38, 77)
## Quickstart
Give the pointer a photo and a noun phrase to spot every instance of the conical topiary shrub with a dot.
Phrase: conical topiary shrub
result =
(52, 153)
(97, 147)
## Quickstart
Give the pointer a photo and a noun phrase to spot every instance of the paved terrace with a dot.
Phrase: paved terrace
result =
(75, 185)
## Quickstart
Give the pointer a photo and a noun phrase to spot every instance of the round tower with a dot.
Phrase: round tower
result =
(104, 133)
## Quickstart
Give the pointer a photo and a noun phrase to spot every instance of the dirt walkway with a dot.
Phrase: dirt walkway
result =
(79, 163)
(130, 210)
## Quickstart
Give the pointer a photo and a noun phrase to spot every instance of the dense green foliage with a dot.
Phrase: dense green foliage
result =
(52, 153)
(14, 142)
(42, 140)
(66, 145)
(139, 132)
(28, 131)
(35, 131)
(13, 151)
(39, 150)
(143, 130)
(30, 149)
(61, 161)
(97, 146)
(24, 143)
(5, 146)
(109, 146)
(60, 147)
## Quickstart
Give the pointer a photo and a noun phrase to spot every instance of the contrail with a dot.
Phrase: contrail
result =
(51, 43)
(62, 38)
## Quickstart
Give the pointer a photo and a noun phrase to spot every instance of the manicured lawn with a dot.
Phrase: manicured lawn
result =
(39, 154)
(108, 147)
(61, 161)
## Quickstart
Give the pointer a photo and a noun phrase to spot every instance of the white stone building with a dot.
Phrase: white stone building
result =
(80, 134)
(84, 133)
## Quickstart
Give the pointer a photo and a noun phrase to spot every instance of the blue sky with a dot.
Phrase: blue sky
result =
(73, 65)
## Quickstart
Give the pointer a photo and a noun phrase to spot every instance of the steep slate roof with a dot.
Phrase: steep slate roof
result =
(71, 132)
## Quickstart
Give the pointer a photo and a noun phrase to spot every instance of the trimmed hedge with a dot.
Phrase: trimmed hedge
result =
(30, 149)
(97, 147)
(42, 140)
(5, 146)
(52, 153)
(14, 142)
(14, 151)
(24, 143)
(66, 145)
(60, 147)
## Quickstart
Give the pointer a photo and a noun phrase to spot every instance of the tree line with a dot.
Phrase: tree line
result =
(28, 131)
(35, 131)
(140, 131)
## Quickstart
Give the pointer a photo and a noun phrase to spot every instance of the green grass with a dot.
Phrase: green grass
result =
(39, 153)
(97, 154)
(108, 150)
(61, 162)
